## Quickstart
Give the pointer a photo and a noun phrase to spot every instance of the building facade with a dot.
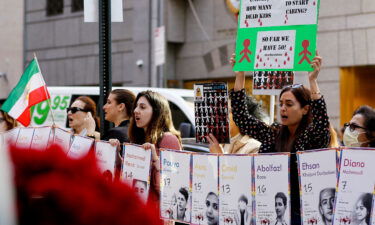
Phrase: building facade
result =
(198, 46)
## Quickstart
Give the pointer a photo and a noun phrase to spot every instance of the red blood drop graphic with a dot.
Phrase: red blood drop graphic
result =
(257, 56)
(275, 60)
(288, 58)
(256, 65)
(261, 60)
(264, 64)
(291, 48)
(284, 62)
(261, 23)
(286, 54)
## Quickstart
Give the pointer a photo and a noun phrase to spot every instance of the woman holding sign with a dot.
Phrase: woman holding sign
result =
(304, 124)
(152, 127)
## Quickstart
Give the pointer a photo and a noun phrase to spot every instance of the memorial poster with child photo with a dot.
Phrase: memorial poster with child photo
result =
(272, 196)
(235, 189)
(271, 82)
(106, 157)
(205, 198)
(276, 35)
(317, 171)
(211, 112)
(136, 169)
(354, 195)
(41, 138)
(175, 191)
(25, 137)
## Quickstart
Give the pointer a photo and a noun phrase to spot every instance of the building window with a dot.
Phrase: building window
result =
(77, 5)
(55, 7)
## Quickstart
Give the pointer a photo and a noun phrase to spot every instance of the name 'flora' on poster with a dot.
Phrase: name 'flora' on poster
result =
(136, 169)
(318, 178)
(205, 199)
(25, 137)
(355, 187)
(41, 138)
(80, 147)
(272, 198)
(211, 112)
(106, 157)
(175, 191)
(235, 189)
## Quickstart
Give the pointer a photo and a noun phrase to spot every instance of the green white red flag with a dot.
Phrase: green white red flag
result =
(30, 90)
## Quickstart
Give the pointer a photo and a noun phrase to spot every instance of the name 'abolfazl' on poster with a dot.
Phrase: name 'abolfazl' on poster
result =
(272, 196)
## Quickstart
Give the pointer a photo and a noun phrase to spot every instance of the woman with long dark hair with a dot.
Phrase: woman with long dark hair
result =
(304, 124)
(152, 127)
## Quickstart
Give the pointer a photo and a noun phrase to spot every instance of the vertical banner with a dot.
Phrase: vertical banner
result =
(80, 147)
(276, 35)
(106, 155)
(317, 172)
(355, 187)
(205, 198)
(175, 191)
(272, 198)
(62, 138)
(211, 111)
(235, 184)
(25, 137)
(159, 46)
(136, 169)
(41, 138)
(271, 82)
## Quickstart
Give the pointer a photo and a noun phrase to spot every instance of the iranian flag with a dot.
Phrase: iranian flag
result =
(30, 90)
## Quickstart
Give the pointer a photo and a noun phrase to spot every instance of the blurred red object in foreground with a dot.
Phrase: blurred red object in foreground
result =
(53, 189)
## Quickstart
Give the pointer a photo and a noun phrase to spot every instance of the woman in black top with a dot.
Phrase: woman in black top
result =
(304, 124)
(118, 110)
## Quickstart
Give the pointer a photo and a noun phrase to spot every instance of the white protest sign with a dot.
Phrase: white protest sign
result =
(355, 187)
(41, 138)
(106, 155)
(272, 199)
(91, 11)
(62, 138)
(136, 169)
(205, 199)
(175, 194)
(318, 178)
(235, 182)
(24, 138)
(80, 147)
(159, 46)
(269, 13)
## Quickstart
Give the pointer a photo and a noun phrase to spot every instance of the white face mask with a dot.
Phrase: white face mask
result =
(351, 138)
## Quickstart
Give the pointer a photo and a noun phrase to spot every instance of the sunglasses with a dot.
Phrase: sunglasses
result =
(294, 86)
(75, 109)
(352, 126)
(2, 120)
